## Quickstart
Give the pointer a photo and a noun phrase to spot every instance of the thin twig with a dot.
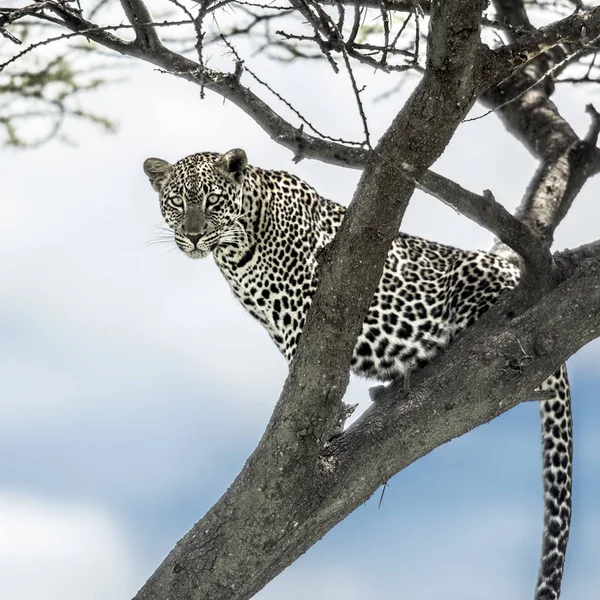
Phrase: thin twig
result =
(82, 32)
(240, 62)
(386, 32)
(356, 91)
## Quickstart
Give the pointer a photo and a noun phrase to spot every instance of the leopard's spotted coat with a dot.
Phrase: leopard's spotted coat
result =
(264, 229)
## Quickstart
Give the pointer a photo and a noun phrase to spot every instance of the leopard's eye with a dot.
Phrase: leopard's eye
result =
(212, 200)
(175, 202)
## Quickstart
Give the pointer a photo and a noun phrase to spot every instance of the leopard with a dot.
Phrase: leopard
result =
(265, 230)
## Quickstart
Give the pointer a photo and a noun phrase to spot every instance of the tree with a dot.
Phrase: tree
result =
(237, 547)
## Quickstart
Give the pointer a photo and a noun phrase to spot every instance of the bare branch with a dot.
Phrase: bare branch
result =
(10, 15)
(337, 35)
(9, 36)
(229, 87)
(592, 136)
(567, 161)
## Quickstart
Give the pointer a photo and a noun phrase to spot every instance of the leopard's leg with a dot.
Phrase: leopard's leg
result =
(557, 453)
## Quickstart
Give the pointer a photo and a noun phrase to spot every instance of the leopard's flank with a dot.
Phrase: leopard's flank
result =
(264, 230)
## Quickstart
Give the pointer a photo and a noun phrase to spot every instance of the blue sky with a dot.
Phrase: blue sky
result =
(133, 386)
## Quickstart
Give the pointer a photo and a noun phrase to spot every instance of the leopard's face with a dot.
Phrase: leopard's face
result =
(201, 199)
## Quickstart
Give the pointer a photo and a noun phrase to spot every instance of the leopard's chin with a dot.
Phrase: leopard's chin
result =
(197, 253)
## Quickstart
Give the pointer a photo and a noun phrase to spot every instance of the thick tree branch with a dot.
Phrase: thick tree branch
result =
(513, 13)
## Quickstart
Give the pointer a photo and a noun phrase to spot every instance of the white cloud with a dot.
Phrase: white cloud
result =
(62, 551)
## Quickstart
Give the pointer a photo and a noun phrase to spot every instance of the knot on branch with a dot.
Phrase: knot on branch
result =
(344, 413)
(323, 255)
(543, 344)
(299, 139)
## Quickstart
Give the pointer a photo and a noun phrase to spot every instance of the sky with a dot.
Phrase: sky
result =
(133, 386)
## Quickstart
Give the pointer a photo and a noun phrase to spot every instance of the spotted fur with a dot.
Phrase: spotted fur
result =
(264, 229)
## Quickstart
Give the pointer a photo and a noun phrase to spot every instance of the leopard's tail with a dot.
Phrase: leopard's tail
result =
(557, 454)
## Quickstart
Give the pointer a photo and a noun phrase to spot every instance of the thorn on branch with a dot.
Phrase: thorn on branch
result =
(385, 484)
(346, 411)
(488, 195)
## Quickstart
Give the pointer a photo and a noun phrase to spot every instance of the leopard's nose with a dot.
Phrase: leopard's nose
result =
(193, 237)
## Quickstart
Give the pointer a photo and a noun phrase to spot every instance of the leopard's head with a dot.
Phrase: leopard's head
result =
(201, 199)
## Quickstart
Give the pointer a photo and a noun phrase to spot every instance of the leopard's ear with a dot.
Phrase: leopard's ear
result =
(233, 164)
(158, 170)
